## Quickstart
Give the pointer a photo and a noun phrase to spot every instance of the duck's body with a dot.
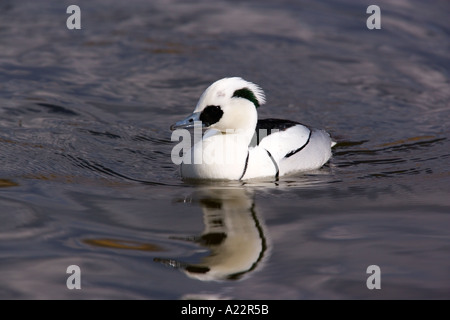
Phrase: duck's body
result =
(239, 147)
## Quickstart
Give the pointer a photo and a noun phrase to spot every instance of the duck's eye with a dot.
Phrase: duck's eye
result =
(248, 94)
(211, 115)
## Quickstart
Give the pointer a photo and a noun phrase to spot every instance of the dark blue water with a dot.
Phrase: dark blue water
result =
(86, 176)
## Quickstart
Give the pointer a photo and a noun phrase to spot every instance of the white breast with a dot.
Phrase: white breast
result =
(217, 156)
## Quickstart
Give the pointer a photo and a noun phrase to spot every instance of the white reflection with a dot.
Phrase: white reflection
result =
(233, 234)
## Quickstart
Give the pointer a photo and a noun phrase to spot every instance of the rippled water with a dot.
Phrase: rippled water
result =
(86, 177)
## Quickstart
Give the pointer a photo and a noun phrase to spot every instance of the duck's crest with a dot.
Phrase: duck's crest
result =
(236, 87)
(249, 91)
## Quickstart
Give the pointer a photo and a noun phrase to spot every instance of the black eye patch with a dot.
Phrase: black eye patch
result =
(197, 269)
(211, 115)
(248, 94)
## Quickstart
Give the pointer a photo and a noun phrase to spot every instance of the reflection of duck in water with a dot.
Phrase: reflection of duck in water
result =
(233, 234)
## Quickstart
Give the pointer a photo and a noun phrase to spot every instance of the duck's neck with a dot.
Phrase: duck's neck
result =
(241, 125)
(244, 134)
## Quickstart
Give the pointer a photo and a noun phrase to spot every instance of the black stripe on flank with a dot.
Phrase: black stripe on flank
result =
(275, 164)
(299, 149)
(245, 167)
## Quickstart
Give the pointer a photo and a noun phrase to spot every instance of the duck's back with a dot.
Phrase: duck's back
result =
(291, 146)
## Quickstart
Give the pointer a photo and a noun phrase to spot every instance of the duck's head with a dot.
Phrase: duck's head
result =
(227, 104)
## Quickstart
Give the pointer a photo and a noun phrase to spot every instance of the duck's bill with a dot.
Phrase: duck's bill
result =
(189, 122)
